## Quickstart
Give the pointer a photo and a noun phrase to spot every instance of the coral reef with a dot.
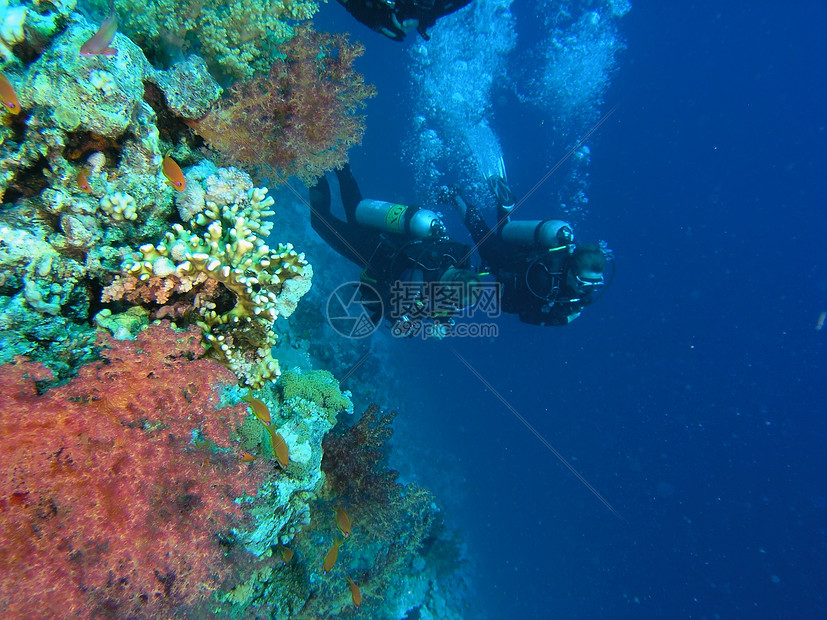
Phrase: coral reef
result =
(26, 26)
(283, 503)
(237, 37)
(108, 505)
(83, 119)
(219, 272)
(299, 119)
(134, 482)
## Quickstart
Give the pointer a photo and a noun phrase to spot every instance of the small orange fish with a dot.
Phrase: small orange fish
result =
(246, 457)
(259, 409)
(98, 44)
(343, 522)
(355, 592)
(83, 181)
(332, 556)
(174, 174)
(286, 554)
(7, 95)
(280, 448)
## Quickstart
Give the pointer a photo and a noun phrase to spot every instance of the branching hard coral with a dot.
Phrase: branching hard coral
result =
(107, 506)
(299, 119)
(219, 272)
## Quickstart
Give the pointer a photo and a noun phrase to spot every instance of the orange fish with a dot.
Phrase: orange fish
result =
(343, 522)
(259, 409)
(173, 173)
(83, 181)
(246, 457)
(280, 448)
(286, 554)
(7, 95)
(98, 44)
(331, 557)
(355, 592)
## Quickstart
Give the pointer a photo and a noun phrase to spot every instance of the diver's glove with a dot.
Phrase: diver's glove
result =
(447, 193)
(452, 195)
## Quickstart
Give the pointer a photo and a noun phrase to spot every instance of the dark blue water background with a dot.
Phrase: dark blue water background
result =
(692, 395)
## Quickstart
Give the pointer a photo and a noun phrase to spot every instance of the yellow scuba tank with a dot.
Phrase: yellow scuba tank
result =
(411, 221)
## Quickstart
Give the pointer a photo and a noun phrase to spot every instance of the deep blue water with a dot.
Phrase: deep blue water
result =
(691, 396)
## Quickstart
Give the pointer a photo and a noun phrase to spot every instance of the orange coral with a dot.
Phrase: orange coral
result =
(300, 118)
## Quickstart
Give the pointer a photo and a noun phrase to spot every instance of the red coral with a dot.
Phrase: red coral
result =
(300, 118)
(106, 506)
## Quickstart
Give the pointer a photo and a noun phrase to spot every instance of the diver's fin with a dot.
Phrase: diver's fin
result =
(502, 192)
(486, 149)
(501, 169)
(491, 166)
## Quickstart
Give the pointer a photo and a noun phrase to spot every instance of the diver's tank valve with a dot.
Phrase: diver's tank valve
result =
(545, 233)
(411, 221)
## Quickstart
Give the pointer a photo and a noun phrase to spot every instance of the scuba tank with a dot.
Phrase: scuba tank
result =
(411, 221)
(547, 234)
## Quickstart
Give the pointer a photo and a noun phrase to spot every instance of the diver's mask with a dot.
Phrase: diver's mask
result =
(588, 282)
(464, 284)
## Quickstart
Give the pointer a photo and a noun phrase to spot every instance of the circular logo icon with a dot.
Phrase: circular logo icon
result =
(355, 310)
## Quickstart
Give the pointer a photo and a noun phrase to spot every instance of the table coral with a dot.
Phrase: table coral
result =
(106, 506)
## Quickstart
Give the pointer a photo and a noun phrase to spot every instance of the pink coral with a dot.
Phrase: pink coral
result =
(300, 118)
(107, 506)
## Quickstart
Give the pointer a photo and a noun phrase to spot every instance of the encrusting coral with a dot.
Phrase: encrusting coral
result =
(238, 37)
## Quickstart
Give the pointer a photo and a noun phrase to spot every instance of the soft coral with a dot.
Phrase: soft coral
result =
(105, 504)
(301, 117)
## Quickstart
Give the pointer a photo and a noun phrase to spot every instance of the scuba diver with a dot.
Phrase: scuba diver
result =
(546, 278)
(395, 19)
(413, 275)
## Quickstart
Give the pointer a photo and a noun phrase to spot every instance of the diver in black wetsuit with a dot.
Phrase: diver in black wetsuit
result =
(412, 270)
(395, 19)
(546, 278)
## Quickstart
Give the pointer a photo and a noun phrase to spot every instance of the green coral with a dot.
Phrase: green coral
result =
(237, 37)
(317, 386)
(125, 325)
